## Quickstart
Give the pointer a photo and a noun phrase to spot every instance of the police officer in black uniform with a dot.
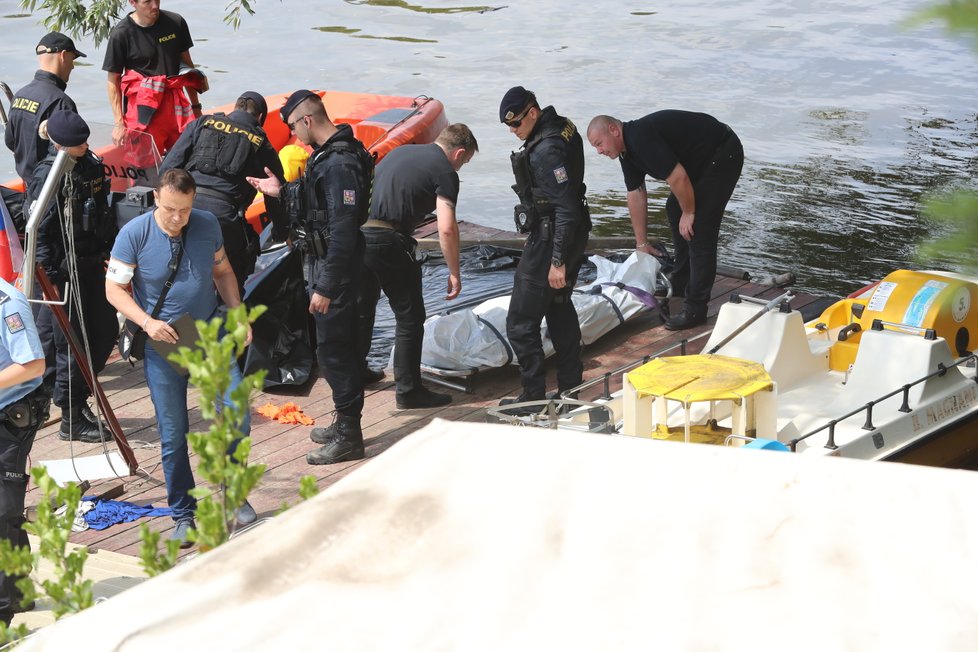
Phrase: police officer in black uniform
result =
(329, 203)
(79, 253)
(23, 409)
(553, 212)
(220, 151)
(34, 103)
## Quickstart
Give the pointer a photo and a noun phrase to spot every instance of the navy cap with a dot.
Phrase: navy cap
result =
(67, 129)
(260, 101)
(514, 101)
(295, 99)
(56, 42)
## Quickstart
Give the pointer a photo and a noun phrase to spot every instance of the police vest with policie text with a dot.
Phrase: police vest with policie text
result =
(222, 147)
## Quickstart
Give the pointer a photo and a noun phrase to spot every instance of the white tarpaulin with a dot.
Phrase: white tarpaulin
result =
(480, 537)
(476, 338)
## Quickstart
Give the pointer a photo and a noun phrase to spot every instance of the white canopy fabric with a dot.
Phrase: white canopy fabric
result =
(485, 537)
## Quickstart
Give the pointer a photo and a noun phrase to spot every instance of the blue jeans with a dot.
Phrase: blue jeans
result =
(168, 390)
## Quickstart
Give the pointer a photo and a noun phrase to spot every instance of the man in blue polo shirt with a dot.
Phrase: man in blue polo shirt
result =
(23, 409)
(146, 253)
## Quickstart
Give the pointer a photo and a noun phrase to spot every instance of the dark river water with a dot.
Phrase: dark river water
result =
(846, 116)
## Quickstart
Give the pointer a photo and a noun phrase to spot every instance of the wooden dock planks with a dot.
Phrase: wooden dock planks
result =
(283, 447)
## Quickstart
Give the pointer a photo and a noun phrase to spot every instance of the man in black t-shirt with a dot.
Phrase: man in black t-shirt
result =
(151, 43)
(410, 182)
(34, 103)
(701, 159)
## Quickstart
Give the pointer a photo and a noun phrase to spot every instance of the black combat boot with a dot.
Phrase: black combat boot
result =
(325, 435)
(371, 376)
(421, 398)
(76, 427)
(89, 415)
(690, 317)
(346, 445)
(523, 398)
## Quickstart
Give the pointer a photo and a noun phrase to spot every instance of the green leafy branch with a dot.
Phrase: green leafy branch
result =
(97, 18)
(68, 592)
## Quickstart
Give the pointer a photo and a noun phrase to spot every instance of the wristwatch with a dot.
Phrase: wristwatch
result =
(556, 262)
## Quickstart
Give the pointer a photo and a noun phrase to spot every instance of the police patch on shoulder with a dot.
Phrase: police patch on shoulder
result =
(561, 174)
(350, 197)
(14, 322)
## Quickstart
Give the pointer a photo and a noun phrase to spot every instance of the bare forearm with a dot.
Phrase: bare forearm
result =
(638, 210)
(15, 373)
(448, 239)
(227, 286)
(122, 301)
(114, 88)
(682, 188)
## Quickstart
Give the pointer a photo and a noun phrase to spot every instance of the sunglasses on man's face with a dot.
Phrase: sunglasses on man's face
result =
(175, 248)
(514, 124)
(292, 124)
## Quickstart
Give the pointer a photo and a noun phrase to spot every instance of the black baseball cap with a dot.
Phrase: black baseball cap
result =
(259, 102)
(295, 99)
(56, 42)
(514, 101)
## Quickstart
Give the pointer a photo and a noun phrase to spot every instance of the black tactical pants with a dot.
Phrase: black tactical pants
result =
(102, 328)
(15, 446)
(337, 345)
(533, 300)
(696, 259)
(390, 265)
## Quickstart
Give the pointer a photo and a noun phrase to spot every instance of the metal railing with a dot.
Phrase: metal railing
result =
(942, 369)
(608, 375)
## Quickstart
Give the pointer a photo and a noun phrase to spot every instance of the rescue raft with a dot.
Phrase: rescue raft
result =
(380, 122)
(886, 374)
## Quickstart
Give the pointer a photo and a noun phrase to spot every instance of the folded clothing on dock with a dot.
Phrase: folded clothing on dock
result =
(105, 513)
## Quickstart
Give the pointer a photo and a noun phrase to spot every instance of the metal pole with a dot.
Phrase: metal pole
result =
(4, 120)
(770, 305)
(78, 353)
(63, 164)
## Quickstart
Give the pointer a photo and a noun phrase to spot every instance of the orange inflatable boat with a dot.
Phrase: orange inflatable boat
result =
(381, 122)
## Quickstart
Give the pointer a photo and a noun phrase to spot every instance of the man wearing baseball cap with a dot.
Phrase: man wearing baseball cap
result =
(84, 196)
(553, 212)
(220, 151)
(335, 192)
(34, 103)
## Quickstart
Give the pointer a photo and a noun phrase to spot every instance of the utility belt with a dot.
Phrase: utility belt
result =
(530, 217)
(541, 216)
(31, 411)
(377, 224)
(316, 242)
(92, 215)
(223, 196)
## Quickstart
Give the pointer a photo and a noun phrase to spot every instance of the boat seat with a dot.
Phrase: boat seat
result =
(777, 340)
(887, 360)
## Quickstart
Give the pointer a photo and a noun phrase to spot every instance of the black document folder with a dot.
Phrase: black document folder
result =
(187, 335)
